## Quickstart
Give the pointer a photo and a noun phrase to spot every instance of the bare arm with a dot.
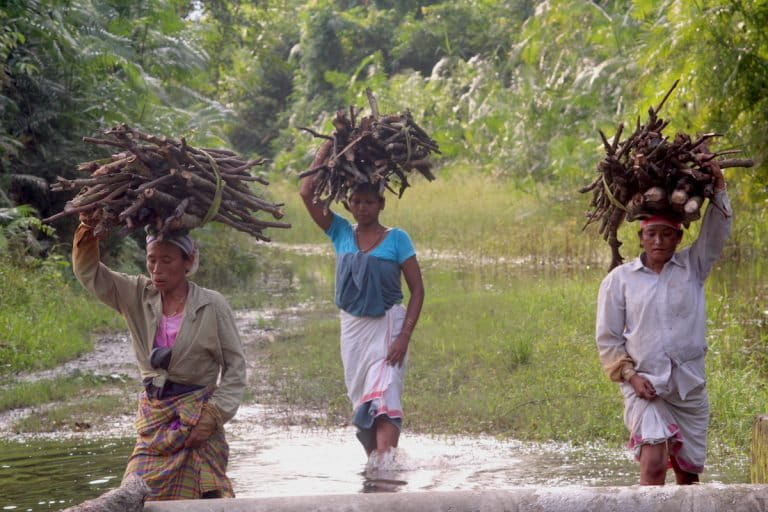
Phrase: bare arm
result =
(321, 217)
(412, 273)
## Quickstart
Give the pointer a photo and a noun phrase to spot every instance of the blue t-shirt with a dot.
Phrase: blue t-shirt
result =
(368, 284)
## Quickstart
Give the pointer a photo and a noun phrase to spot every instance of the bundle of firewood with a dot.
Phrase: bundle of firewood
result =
(647, 174)
(167, 185)
(380, 149)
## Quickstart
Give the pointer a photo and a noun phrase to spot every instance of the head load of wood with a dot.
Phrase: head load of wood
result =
(647, 174)
(167, 185)
(380, 149)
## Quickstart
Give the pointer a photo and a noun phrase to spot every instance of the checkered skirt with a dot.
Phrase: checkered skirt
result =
(159, 457)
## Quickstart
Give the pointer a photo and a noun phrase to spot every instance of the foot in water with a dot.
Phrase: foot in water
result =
(383, 472)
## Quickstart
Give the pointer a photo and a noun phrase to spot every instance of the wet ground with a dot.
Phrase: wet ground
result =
(268, 459)
(275, 451)
(272, 454)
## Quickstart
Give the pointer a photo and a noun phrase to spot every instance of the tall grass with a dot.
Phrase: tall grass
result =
(505, 344)
(44, 318)
(469, 214)
(477, 216)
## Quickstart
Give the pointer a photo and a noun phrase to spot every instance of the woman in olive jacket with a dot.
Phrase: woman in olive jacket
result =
(184, 338)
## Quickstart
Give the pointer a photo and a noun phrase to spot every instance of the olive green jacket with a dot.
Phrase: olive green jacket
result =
(207, 343)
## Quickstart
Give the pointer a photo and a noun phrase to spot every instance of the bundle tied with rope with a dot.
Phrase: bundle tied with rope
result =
(166, 185)
(379, 149)
(648, 174)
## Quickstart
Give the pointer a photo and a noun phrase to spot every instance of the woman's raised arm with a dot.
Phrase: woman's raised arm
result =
(319, 214)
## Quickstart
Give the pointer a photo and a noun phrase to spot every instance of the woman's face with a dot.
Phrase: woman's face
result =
(659, 242)
(365, 207)
(167, 265)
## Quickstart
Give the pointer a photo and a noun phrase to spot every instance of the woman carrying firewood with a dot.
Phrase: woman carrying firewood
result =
(375, 327)
(183, 337)
(651, 337)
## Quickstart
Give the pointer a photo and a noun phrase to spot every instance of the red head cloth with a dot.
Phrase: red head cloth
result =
(658, 220)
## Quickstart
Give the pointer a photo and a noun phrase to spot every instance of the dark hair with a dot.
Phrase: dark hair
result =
(365, 187)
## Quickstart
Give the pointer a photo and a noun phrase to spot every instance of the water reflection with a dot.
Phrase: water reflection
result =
(279, 461)
(51, 475)
(293, 461)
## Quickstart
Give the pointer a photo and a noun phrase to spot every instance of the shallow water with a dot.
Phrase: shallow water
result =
(292, 461)
(273, 460)
(306, 462)
(49, 475)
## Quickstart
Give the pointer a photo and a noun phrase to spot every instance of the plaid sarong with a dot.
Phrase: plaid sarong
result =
(159, 457)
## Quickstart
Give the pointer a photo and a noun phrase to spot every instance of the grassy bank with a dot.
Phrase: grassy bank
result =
(505, 345)
(473, 215)
(479, 216)
(508, 349)
(72, 402)
(45, 319)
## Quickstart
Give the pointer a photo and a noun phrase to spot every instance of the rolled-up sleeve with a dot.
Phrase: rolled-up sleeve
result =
(229, 393)
(609, 329)
(114, 289)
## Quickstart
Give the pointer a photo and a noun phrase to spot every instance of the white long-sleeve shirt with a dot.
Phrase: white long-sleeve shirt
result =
(658, 319)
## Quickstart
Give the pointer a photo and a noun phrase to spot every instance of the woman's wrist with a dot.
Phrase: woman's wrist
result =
(627, 373)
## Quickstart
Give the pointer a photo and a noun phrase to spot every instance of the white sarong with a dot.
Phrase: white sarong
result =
(365, 342)
(670, 418)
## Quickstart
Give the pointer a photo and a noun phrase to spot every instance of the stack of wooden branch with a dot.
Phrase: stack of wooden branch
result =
(168, 185)
(380, 149)
(647, 174)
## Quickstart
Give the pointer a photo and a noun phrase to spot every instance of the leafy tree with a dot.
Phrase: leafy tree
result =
(72, 68)
(719, 51)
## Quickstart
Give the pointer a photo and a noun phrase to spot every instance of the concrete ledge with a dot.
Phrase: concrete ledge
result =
(670, 498)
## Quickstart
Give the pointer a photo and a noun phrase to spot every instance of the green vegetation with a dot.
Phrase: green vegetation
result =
(510, 351)
(77, 415)
(26, 394)
(44, 319)
(514, 91)
(477, 217)
(506, 344)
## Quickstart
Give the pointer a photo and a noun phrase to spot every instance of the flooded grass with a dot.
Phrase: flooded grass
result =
(509, 351)
(83, 414)
(504, 352)
(25, 394)
(506, 344)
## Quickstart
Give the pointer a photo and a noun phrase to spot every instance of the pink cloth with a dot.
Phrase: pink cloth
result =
(167, 330)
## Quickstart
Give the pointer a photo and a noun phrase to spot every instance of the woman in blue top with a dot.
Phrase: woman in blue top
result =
(375, 327)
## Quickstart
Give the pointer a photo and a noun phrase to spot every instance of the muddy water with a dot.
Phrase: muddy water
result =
(270, 459)
(296, 461)
(280, 461)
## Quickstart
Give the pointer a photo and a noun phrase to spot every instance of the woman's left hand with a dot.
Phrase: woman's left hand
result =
(200, 433)
(398, 349)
